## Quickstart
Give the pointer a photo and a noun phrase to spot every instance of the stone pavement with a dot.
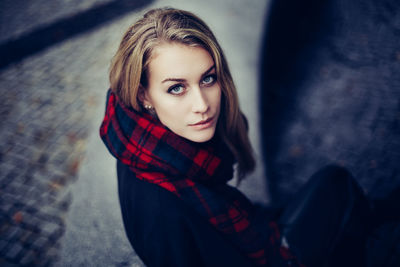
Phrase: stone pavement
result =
(58, 199)
(49, 100)
(58, 194)
(19, 17)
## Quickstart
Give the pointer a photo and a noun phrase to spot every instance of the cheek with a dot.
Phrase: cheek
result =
(171, 113)
(216, 98)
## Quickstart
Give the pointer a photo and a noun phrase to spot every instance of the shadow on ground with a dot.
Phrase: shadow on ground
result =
(33, 42)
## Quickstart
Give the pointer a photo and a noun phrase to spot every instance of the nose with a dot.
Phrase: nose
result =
(200, 101)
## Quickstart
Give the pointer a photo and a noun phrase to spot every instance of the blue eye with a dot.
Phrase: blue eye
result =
(209, 80)
(176, 89)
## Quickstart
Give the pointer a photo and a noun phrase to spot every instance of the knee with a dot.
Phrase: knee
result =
(334, 172)
(334, 177)
(337, 183)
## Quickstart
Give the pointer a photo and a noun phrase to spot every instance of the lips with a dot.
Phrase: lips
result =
(202, 125)
(202, 122)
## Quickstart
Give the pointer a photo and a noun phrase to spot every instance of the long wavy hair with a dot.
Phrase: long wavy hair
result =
(129, 68)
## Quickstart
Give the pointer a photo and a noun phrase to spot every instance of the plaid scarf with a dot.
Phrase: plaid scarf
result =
(194, 172)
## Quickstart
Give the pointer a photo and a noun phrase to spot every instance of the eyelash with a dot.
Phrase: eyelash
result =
(214, 79)
(176, 86)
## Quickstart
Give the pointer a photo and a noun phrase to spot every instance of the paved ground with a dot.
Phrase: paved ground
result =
(58, 199)
(20, 17)
(58, 195)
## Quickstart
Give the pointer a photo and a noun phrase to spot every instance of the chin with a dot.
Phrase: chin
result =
(201, 137)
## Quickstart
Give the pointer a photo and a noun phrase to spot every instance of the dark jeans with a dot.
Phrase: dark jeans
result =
(325, 224)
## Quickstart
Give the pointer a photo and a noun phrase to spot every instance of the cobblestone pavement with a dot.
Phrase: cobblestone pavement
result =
(50, 110)
(48, 105)
(46, 112)
(20, 16)
(51, 103)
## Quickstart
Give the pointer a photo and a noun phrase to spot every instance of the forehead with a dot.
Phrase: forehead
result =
(174, 60)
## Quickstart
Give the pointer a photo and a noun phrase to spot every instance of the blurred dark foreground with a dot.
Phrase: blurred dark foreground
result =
(330, 81)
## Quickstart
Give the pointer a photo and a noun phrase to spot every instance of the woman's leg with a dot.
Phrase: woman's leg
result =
(330, 208)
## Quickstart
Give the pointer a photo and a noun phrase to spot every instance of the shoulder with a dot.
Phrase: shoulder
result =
(151, 204)
(146, 198)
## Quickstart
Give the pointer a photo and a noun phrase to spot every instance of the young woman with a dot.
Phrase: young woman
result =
(173, 122)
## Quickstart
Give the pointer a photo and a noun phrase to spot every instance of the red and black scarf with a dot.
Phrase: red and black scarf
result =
(195, 172)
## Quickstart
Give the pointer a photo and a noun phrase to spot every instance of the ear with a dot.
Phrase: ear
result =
(143, 96)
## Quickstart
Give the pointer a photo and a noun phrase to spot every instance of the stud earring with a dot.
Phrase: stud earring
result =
(148, 107)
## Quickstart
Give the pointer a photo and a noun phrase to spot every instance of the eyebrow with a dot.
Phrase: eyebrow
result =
(183, 80)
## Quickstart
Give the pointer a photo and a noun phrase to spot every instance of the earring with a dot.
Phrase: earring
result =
(148, 107)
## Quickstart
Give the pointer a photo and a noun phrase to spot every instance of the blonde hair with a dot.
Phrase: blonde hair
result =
(130, 66)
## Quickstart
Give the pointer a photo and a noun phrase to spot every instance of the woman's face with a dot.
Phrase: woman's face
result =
(184, 90)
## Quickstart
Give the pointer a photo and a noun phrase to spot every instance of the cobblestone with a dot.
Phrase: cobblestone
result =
(47, 107)
(27, 258)
(13, 14)
(3, 244)
(46, 114)
(14, 251)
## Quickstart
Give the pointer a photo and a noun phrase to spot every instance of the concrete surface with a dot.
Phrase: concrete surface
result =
(58, 192)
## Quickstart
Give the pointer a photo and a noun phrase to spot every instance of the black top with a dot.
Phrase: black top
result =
(164, 231)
